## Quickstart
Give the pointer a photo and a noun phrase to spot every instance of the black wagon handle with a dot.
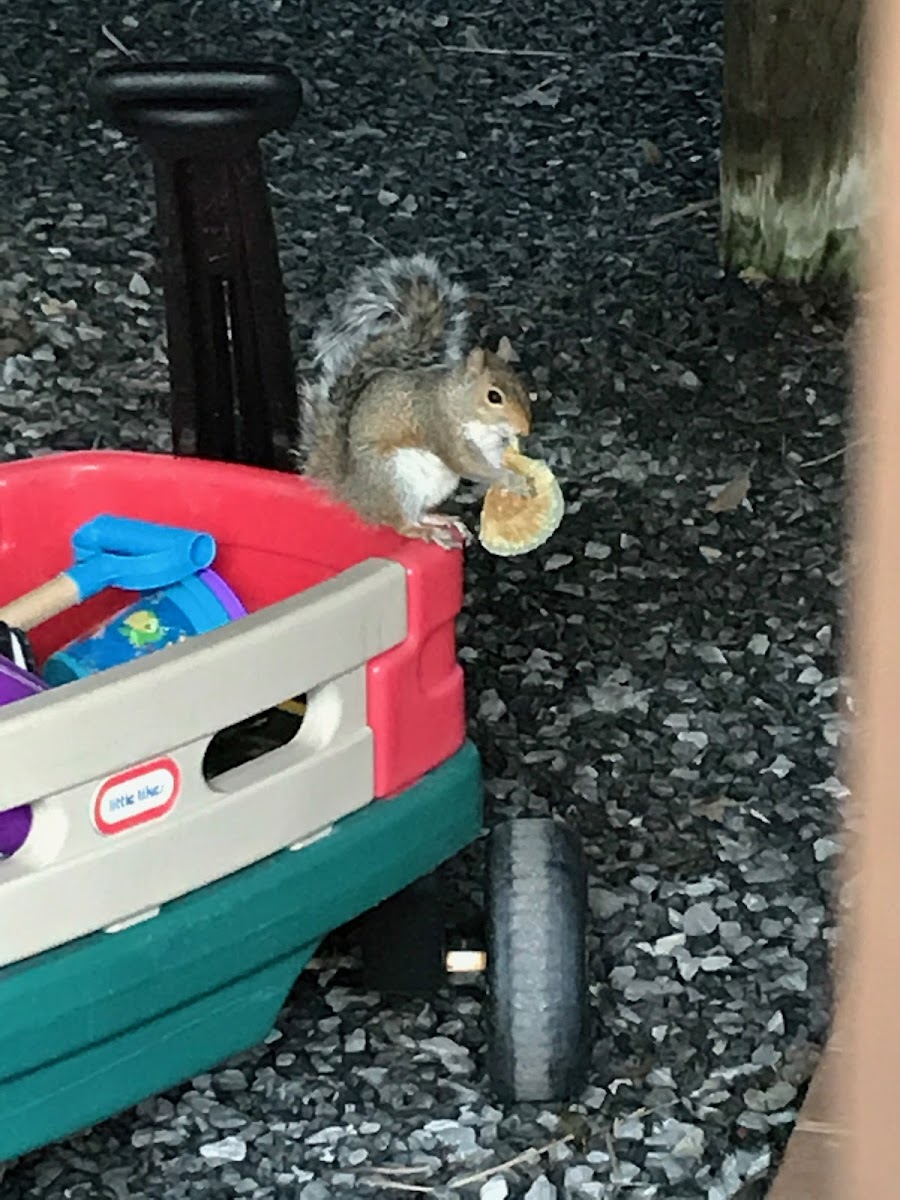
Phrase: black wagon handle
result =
(175, 107)
(230, 364)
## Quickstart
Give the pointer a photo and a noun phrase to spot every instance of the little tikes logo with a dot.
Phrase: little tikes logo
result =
(133, 797)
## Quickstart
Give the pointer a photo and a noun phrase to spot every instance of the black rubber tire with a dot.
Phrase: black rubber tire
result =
(538, 1011)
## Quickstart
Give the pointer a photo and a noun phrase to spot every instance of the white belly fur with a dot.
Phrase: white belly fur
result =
(422, 481)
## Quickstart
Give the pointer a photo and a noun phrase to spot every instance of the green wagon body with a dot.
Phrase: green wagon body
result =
(97, 1025)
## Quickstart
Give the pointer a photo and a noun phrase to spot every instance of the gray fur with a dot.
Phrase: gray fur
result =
(379, 304)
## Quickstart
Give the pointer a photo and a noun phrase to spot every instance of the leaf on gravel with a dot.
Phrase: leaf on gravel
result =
(16, 333)
(731, 496)
(541, 93)
(713, 810)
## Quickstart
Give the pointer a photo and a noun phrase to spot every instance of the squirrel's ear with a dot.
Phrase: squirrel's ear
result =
(505, 351)
(476, 361)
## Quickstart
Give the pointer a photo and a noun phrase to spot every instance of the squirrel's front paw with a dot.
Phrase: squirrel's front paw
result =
(519, 485)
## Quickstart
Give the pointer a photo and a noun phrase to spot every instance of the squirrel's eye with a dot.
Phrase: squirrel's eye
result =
(494, 397)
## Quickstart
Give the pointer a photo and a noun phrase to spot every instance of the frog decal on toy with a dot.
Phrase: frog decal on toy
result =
(143, 628)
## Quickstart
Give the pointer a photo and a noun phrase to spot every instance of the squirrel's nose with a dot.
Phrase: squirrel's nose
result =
(522, 423)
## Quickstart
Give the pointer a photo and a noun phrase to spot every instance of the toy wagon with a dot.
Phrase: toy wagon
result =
(164, 900)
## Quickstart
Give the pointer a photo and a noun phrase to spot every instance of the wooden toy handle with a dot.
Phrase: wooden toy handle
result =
(44, 602)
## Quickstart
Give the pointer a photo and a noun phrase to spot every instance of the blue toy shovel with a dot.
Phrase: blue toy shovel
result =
(117, 552)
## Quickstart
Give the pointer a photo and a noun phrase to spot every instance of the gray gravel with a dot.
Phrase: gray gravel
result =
(663, 673)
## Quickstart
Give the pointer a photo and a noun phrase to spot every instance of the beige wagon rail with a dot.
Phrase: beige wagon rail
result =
(73, 750)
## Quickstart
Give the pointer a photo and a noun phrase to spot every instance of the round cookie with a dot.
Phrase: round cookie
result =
(512, 524)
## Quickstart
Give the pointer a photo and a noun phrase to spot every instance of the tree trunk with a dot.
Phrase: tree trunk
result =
(793, 182)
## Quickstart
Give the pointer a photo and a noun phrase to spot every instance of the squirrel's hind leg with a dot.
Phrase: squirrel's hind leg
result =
(445, 531)
(419, 481)
(397, 487)
(445, 536)
(453, 527)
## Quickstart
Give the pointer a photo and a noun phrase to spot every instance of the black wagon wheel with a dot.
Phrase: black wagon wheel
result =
(538, 1026)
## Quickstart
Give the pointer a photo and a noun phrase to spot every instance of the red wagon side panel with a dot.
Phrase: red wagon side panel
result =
(276, 536)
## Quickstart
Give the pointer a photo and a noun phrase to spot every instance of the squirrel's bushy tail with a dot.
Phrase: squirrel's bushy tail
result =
(403, 313)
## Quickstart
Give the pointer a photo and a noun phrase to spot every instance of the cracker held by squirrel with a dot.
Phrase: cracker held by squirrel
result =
(399, 412)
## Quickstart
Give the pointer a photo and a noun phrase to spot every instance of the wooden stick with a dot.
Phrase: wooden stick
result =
(44, 602)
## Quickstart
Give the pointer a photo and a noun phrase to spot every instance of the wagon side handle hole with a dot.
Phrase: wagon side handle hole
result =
(254, 736)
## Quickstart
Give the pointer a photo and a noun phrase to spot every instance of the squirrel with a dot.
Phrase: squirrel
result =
(399, 413)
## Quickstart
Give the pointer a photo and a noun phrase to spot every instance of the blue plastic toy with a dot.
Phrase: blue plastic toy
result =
(161, 618)
(112, 551)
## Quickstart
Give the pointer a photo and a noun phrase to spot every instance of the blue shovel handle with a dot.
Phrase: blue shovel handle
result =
(122, 552)
(135, 555)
